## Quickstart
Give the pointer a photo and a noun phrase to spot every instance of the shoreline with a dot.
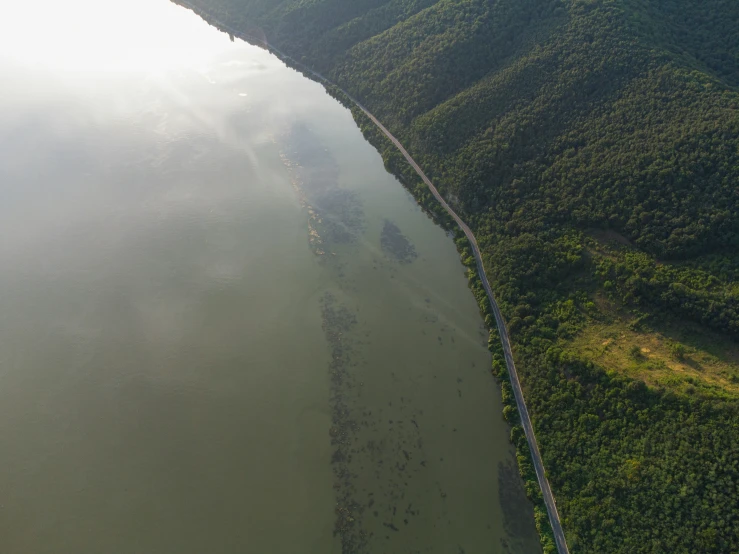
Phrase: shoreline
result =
(478, 273)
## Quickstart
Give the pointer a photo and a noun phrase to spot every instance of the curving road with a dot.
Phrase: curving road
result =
(546, 491)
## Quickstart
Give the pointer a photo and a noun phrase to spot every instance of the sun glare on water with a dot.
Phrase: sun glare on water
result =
(103, 36)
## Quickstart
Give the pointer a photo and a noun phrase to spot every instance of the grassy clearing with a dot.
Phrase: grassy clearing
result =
(682, 357)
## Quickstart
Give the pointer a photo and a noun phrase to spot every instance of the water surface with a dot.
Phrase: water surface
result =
(223, 326)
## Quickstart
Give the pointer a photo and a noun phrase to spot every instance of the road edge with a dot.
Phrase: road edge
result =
(528, 428)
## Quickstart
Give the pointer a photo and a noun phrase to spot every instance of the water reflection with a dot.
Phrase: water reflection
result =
(223, 326)
(95, 39)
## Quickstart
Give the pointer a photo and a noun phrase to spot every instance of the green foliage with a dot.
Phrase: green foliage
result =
(678, 351)
(545, 123)
(683, 291)
(638, 470)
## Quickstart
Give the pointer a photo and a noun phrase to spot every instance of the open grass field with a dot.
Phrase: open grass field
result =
(663, 354)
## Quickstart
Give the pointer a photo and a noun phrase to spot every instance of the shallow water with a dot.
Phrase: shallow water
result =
(223, 326)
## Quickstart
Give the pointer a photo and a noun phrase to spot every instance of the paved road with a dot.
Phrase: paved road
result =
(515, 383)
(559, 535)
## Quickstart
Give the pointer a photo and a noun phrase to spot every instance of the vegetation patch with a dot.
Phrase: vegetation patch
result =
(686, 360)
(396, 245)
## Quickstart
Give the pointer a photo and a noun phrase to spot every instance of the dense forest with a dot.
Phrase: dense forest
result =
(593, 148)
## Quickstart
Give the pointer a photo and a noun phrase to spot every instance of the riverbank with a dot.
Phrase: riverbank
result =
(551, 533)
(524, 131)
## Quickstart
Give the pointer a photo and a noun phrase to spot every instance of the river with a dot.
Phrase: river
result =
(223, 326)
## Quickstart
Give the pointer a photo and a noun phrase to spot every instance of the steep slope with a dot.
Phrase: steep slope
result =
(593, 146)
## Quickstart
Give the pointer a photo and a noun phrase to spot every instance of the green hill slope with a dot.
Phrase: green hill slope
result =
(593, 147)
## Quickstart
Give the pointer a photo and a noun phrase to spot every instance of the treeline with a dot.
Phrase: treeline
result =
(547, 123)
(688, 293)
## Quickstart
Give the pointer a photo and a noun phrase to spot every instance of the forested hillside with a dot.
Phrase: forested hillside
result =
(593, 147)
